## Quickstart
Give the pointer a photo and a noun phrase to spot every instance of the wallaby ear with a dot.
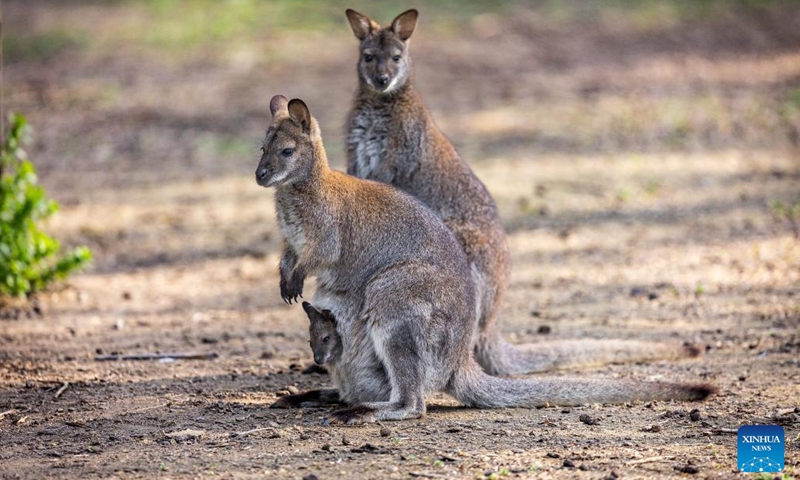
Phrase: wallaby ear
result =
(298, 112)
(277, 104)
(308, 308)
(403, 25)
(329, 315)
(362, 25)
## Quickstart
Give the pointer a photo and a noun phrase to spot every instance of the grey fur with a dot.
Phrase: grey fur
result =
(397, 282)
(392, 138)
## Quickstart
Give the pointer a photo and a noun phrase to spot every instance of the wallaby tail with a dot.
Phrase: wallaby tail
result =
(499, 357)
(475, 388)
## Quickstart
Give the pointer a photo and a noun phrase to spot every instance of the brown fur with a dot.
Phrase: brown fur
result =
(392, 138)
(397, 283)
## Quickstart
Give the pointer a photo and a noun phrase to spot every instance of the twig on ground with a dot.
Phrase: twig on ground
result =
(650, 459)
(158, 356)
(248, 432)
(61, 390)
(7, 412)
(427, 475)
(724, 430)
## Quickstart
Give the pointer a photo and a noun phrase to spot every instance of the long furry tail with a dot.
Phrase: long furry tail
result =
(498, 357)
(475, 388)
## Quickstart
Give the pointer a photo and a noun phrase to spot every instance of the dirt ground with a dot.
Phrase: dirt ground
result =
(639, 156)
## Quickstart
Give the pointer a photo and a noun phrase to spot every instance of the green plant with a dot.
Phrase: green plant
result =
(29, 258)
(788, 212)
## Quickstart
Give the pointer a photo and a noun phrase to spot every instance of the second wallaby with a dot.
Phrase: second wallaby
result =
(323, 337)
(392, 138)
(397, 283)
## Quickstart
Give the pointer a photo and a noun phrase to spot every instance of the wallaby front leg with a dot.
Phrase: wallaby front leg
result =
(292, 276)
(309, 399)
(398, 351)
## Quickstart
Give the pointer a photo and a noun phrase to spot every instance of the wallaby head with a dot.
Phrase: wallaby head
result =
(289, 153)
(384, 64)
(325, 340)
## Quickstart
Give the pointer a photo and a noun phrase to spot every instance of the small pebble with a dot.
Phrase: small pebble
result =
(694, 415)
(385, 432)
(552, 455)
(588, 420)
(543, 329)
(327, 447)
(311, 477)
(293, 390)
(569, 463)
(345, 441)
(687, 469)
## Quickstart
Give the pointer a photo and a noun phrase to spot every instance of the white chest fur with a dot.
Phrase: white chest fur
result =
(368, 138)
(290, 222)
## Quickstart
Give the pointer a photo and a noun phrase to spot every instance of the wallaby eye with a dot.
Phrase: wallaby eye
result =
(396, 58)
(326, 339)
(367, 57)
(287, 152)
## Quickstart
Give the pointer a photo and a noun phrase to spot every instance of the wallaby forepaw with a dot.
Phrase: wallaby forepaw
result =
(353, 416)
(291, 289)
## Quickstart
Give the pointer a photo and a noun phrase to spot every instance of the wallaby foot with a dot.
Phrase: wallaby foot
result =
(309, 399)
(353, 415)
(376, 411)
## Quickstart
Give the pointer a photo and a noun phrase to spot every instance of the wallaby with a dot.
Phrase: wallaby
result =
(395, 279)
(323, 337)
(391, 138)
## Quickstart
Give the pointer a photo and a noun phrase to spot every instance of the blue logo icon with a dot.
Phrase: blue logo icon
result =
(761, 448)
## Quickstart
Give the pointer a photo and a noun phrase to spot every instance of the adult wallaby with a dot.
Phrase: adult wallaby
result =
(395, 279)
(391, 138)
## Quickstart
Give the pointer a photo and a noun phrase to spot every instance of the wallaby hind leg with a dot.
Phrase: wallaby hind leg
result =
(396, 342)
(498, 357)
(309, 399)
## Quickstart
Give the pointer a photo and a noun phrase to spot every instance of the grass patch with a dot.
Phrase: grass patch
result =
(41, 46)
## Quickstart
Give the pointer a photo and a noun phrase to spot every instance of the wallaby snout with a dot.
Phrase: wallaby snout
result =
(262, 172)
(382, 79)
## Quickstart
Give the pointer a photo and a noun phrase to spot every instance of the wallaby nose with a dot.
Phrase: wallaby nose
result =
(318, 359)
(261, 172)
(382, 79)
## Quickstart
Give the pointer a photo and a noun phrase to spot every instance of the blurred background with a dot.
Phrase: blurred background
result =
(644, 155)
(616, 137)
